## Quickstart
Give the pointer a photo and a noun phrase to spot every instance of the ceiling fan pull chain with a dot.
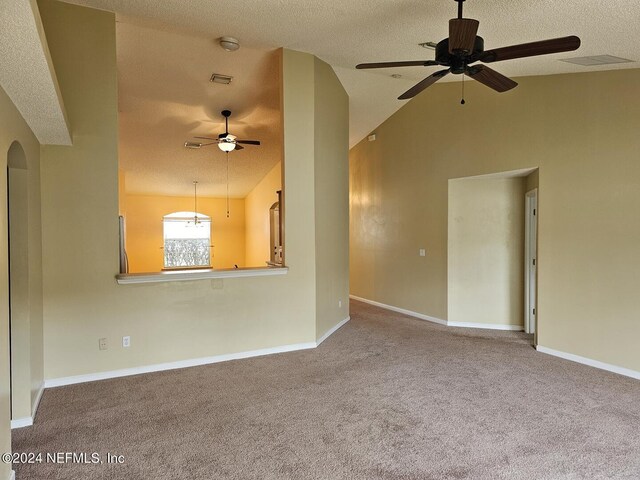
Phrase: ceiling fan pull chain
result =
(462, 102)
(227, 184)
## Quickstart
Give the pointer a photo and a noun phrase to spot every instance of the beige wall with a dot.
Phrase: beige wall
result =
(145, 235)
(486, 251)
(585, 143)
(331, 131)
(30, 370)
(532, 180)
(167, 321)
(257, 221)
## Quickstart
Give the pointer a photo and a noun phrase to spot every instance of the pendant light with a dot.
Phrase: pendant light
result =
(196, 222)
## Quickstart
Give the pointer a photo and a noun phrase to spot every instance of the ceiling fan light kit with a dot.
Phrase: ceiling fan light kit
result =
(463, 48)
(225, 141)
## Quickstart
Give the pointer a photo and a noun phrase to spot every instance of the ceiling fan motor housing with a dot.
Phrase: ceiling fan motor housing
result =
(458, 60)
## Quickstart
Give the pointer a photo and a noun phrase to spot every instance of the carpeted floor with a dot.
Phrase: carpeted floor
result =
(385, 397)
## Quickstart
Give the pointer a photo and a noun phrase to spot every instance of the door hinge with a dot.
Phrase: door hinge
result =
(534, 261)
(534, 211)
(534, 311)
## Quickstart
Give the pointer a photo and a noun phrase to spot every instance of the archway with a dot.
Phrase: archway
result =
(18, 255)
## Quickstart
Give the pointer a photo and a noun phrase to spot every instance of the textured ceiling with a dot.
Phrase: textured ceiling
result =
(165, 98)
(345, 33)
(26, 72)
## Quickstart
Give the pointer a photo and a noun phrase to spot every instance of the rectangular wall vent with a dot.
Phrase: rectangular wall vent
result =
(596, 60)
(219, 78)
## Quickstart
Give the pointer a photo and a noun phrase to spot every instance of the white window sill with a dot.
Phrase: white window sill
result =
(199, 274)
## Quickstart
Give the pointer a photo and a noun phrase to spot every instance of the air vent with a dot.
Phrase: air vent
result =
(429, 45)
(219, 78)
(596, 60)
(192, 145)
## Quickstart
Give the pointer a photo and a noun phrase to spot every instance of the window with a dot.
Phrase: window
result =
(187, 240)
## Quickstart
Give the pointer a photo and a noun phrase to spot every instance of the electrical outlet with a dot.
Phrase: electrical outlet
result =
(126, 342)
(102, 343)
(423, 252)
(339, 303)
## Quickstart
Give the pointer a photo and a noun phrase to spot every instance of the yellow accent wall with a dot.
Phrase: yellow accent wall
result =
(584, 141)
(144, 233)
(257, 220)
(27, 343)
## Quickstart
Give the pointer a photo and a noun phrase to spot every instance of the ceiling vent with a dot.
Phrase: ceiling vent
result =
(218, 78)
(429, 45)
(596, 60)
(194, 145)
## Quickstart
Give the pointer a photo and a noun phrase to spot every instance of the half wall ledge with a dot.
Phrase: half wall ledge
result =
(199, 274)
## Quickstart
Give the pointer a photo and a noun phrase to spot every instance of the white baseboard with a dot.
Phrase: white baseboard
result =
(36, 404)
(331, 331)
(160, 367)
(21, 422)
(488, 326)
(400, 310)
(28, 421)
(588, 361)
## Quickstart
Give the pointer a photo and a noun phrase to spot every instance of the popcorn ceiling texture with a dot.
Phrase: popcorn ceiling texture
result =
(344, 33)
(385, 397)
(26, 72)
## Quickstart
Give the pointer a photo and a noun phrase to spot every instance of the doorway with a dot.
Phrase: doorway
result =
(19, 286)
(531, 260)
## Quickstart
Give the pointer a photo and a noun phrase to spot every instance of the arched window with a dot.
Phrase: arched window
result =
(187, 240)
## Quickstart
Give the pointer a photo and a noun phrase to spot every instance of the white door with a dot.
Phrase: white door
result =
(531, 261)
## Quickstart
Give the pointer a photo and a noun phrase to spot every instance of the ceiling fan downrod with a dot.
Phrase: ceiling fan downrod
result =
(460, 2)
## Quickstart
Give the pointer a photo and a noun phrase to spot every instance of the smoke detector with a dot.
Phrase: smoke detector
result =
(230, 44)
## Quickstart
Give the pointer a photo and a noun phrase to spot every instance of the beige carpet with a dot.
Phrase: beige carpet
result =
(385, 397)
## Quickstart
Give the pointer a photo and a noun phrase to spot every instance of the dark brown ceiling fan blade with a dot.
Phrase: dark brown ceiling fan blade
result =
(543, 47)
(462, 34)
(239, 147)
(249, 142)
(491, 78)
(207, 138)
(411, 63)
(427, 82)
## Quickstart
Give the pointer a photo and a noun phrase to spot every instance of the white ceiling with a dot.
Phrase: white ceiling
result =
(165, 98)
(345, 33)
(27, 74)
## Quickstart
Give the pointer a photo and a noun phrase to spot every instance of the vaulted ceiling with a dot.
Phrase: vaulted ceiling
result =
(344, 33)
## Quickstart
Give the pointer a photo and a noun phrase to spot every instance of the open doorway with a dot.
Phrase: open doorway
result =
(487, 242)
(18, 256)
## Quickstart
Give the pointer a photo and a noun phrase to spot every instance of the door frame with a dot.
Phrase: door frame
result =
(531, 261)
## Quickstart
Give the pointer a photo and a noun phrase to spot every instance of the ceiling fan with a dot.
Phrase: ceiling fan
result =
(225, 141)
(464, 48)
